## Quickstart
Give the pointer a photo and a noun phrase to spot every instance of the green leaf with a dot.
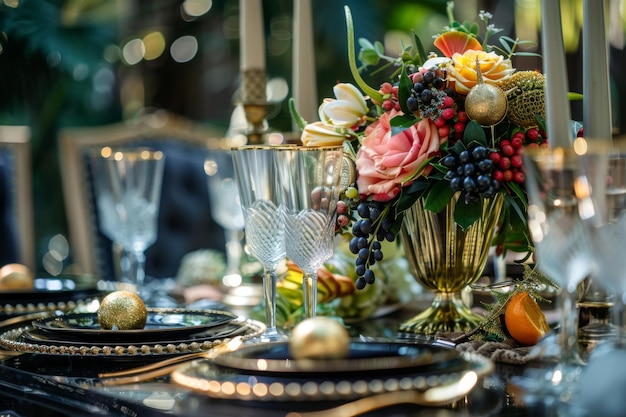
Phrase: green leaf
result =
(533, 54)
(402, 121)
(410, 194)
(379, 47)
(466, 214)
(506, 45)
(439, 196)
(365, 44)
(473, 28)
(369, 57)
(404, 90)
(421, 52)
(474, 132)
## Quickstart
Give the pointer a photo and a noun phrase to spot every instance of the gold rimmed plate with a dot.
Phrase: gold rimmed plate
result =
(208, 378)
(23, 337)
(49, 294)
(162, 325)
(364, 358)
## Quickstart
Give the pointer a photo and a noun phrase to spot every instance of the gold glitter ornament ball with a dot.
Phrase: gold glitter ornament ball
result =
(486, 104)
(319, 338)
(122, 310)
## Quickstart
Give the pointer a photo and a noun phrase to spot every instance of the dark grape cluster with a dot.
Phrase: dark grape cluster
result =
(471, 171)
(427, 94)
(373, 227)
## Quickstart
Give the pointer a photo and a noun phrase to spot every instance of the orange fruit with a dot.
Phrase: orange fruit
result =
(524, 319)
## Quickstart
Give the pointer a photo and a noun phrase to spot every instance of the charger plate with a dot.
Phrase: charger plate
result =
(24, 337)
(364, 358)
(161, 326)
(349, 380)
(50, 294)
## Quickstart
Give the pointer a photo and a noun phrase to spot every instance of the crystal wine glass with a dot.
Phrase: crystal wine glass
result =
(226, 209)
(310, 179)
(255, 172)
(128, 189)
(562, 249)
(604, 166)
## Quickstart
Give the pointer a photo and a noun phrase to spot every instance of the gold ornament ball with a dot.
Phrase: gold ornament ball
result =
(16, 277)
(122, 310)
(486, 104)
(319, 338)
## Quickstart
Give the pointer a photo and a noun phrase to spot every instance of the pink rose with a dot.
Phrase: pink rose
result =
(385, 163)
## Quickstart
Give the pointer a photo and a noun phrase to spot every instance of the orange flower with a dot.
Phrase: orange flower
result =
(462, 69)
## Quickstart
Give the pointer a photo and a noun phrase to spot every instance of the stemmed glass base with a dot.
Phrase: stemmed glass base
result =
(271, 334)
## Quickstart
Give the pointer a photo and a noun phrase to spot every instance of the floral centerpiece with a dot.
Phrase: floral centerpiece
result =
(447, 123)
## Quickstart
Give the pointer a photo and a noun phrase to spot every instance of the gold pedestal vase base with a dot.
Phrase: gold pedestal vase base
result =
(447, 313)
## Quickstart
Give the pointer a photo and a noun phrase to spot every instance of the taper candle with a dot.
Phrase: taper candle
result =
(251, 35)
(596, 92)
(303, 67)
(557, 103)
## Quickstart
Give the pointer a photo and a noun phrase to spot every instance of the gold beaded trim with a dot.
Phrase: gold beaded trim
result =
(9, 340)
(41, 307)
(190, 376)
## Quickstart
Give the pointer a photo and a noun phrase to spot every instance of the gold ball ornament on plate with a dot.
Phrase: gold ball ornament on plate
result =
(16, 277)
(485, 103)
(122, 310)
(319, 338)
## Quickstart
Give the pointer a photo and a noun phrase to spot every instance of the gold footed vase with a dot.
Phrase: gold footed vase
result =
(444, 258)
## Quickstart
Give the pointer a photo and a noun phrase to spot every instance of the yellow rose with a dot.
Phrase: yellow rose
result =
(462, 69)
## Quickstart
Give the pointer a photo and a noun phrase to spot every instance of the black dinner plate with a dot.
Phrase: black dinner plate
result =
(363, 358)
(51, 289)
(34, 336)
(161, 326)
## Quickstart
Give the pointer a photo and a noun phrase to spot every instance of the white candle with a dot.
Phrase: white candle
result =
(596, 92)
(557, 103)
(303, 67)
(251, 35)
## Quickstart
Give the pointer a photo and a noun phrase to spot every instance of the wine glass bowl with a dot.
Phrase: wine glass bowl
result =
(604, 167)
(563, 252)
(226, 210)
(128, 189)
(264, 232)
(310, 179)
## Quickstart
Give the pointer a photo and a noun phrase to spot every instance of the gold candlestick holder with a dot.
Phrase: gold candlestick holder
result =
(255, 104)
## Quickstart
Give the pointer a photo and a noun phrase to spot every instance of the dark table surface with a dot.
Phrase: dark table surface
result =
(59, 385)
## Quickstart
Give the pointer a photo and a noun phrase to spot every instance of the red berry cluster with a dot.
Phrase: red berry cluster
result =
(451, 123)
(390, 97)
(507, 159)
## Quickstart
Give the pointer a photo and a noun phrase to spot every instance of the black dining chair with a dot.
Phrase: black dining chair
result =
(16, 199)
(185, 223)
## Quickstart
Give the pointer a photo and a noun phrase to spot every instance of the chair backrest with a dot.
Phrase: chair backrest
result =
(17, 239)
(185, 223)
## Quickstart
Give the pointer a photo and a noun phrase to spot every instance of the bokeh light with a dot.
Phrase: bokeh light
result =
(196, 8)
(154, 44)
(134, 51)
(184, 49)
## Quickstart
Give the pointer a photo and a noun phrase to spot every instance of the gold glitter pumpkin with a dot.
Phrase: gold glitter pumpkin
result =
(485, 103)
(319, 338)
(122, 310)
(526, 97)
